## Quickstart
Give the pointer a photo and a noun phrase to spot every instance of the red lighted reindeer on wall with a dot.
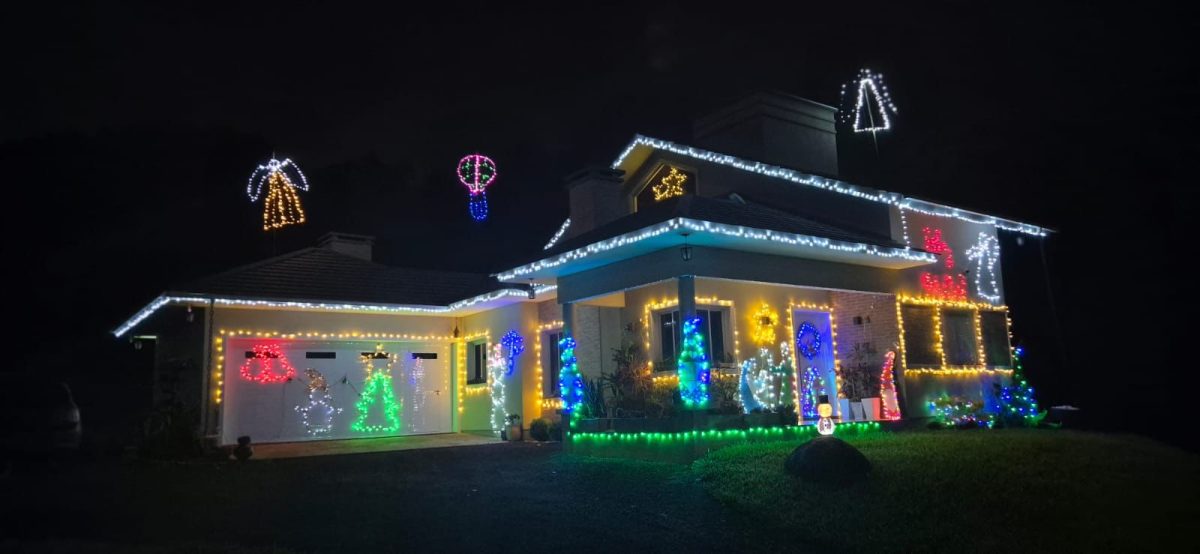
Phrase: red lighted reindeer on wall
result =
(952, 286)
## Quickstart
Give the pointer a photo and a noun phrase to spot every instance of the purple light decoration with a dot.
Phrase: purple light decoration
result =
(476, 172)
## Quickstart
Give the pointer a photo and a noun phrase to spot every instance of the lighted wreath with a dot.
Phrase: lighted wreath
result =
(808, 341)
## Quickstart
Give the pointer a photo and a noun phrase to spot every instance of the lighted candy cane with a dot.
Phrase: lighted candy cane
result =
(985, 253)
(476, 172)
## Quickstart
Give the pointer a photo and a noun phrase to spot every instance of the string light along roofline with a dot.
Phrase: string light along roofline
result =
(892, 198)
(562, 230)
(698, 226)
(400, 309)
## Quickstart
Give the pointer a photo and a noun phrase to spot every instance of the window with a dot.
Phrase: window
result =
(552, 364)
(670, 326)
(958, 337)
(477, 362)
(994, 327)
(919, 337)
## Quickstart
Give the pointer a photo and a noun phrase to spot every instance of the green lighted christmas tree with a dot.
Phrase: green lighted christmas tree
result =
(693, 367)
(378, 389)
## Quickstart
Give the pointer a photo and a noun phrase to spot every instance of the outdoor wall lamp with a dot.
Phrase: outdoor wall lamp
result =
(685, 251)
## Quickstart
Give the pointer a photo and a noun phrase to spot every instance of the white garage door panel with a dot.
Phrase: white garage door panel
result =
(270, 410)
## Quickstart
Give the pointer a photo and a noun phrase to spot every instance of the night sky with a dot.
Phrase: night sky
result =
(127, 136)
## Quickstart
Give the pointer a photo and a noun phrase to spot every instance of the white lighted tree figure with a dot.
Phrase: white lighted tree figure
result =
(282, 204)
(870, 98)
(497, 367)
(985, 254)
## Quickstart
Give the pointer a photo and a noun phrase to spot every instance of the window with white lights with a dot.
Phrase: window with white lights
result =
(668, 328)
(920, 337)
(477, 362)
(552, 364)
(958, 337)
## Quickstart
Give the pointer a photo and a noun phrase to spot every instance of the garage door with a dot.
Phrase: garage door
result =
(297, 390)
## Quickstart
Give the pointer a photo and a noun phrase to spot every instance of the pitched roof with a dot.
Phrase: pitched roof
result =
(718, 210)
(322, 274)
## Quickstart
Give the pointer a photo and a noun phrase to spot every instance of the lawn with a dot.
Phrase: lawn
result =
(969, 491)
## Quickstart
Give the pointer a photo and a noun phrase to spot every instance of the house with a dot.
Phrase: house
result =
(798, 282)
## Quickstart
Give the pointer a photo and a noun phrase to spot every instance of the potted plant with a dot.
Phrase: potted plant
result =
(514, 428)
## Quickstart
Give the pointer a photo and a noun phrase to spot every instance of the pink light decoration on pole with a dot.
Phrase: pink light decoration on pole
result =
(477, 172)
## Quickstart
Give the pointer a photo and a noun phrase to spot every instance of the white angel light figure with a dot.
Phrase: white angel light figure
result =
(282, 205)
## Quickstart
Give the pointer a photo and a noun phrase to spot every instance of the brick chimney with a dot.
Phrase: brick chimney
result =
(776, 128)
(595, 198)
(358, 246)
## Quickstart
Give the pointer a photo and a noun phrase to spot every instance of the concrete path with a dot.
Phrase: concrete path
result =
(365, 446)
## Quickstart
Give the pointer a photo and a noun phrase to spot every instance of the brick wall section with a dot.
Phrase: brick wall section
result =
(879, 326)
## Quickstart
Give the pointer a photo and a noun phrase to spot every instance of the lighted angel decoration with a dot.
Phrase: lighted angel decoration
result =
(985, 253)
(282, 205)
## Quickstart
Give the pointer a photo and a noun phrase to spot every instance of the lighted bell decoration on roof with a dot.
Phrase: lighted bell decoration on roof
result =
(476, 172)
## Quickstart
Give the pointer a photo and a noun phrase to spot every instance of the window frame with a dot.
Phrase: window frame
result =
(552, 364)
(942, 335)
(477, 365)
(656, 334)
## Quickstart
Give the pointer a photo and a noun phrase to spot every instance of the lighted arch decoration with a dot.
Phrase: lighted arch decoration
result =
(477, 172)
(808, 341)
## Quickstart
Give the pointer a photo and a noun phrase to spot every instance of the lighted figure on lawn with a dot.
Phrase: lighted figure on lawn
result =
(871, 97)
(985, 253)
(765, 384)
(497, 367)
(825, 411)
(808, 344)
(282, 205)
(377, 389)
(951, 286)
(265, 357)
(317, 415)
(693, 367)
(416, 384)
(887, 388)
(476, 172)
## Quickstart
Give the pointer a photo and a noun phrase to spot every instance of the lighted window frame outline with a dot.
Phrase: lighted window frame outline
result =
(659, 166)
(981, 368)
(476, 389)
(837, 364)
(545, 403)
(650, 308)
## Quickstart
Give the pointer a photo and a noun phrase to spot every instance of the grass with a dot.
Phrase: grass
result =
(970, 491)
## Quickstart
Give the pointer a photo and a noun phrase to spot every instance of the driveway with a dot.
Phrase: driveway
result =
(500, 497)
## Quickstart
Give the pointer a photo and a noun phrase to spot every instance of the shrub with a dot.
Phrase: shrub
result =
(539, 429)
(556, 433)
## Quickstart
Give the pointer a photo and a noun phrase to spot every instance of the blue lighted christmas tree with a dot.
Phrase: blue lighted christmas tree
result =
(570, 381)
(1018, 407)
(693, 367)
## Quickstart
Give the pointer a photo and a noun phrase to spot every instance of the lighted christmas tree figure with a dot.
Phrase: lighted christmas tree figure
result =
(871, 103)
(377, 389)
(1017, 404)
(317, 415)
(570, 381)
(693, 366)
(282, 204)
(497, 367)
(670, 186)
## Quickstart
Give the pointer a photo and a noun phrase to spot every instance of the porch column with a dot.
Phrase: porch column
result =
(687, 296)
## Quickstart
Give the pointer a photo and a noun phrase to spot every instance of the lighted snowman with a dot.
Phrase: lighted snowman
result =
(825, 410)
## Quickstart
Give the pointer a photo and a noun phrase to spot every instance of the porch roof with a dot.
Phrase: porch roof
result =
(719, 223)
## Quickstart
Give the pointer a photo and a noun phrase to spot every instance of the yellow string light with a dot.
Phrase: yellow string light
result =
(545, 403)
(700, 300)
(764, 323)
(938, 304)
(670, 186)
